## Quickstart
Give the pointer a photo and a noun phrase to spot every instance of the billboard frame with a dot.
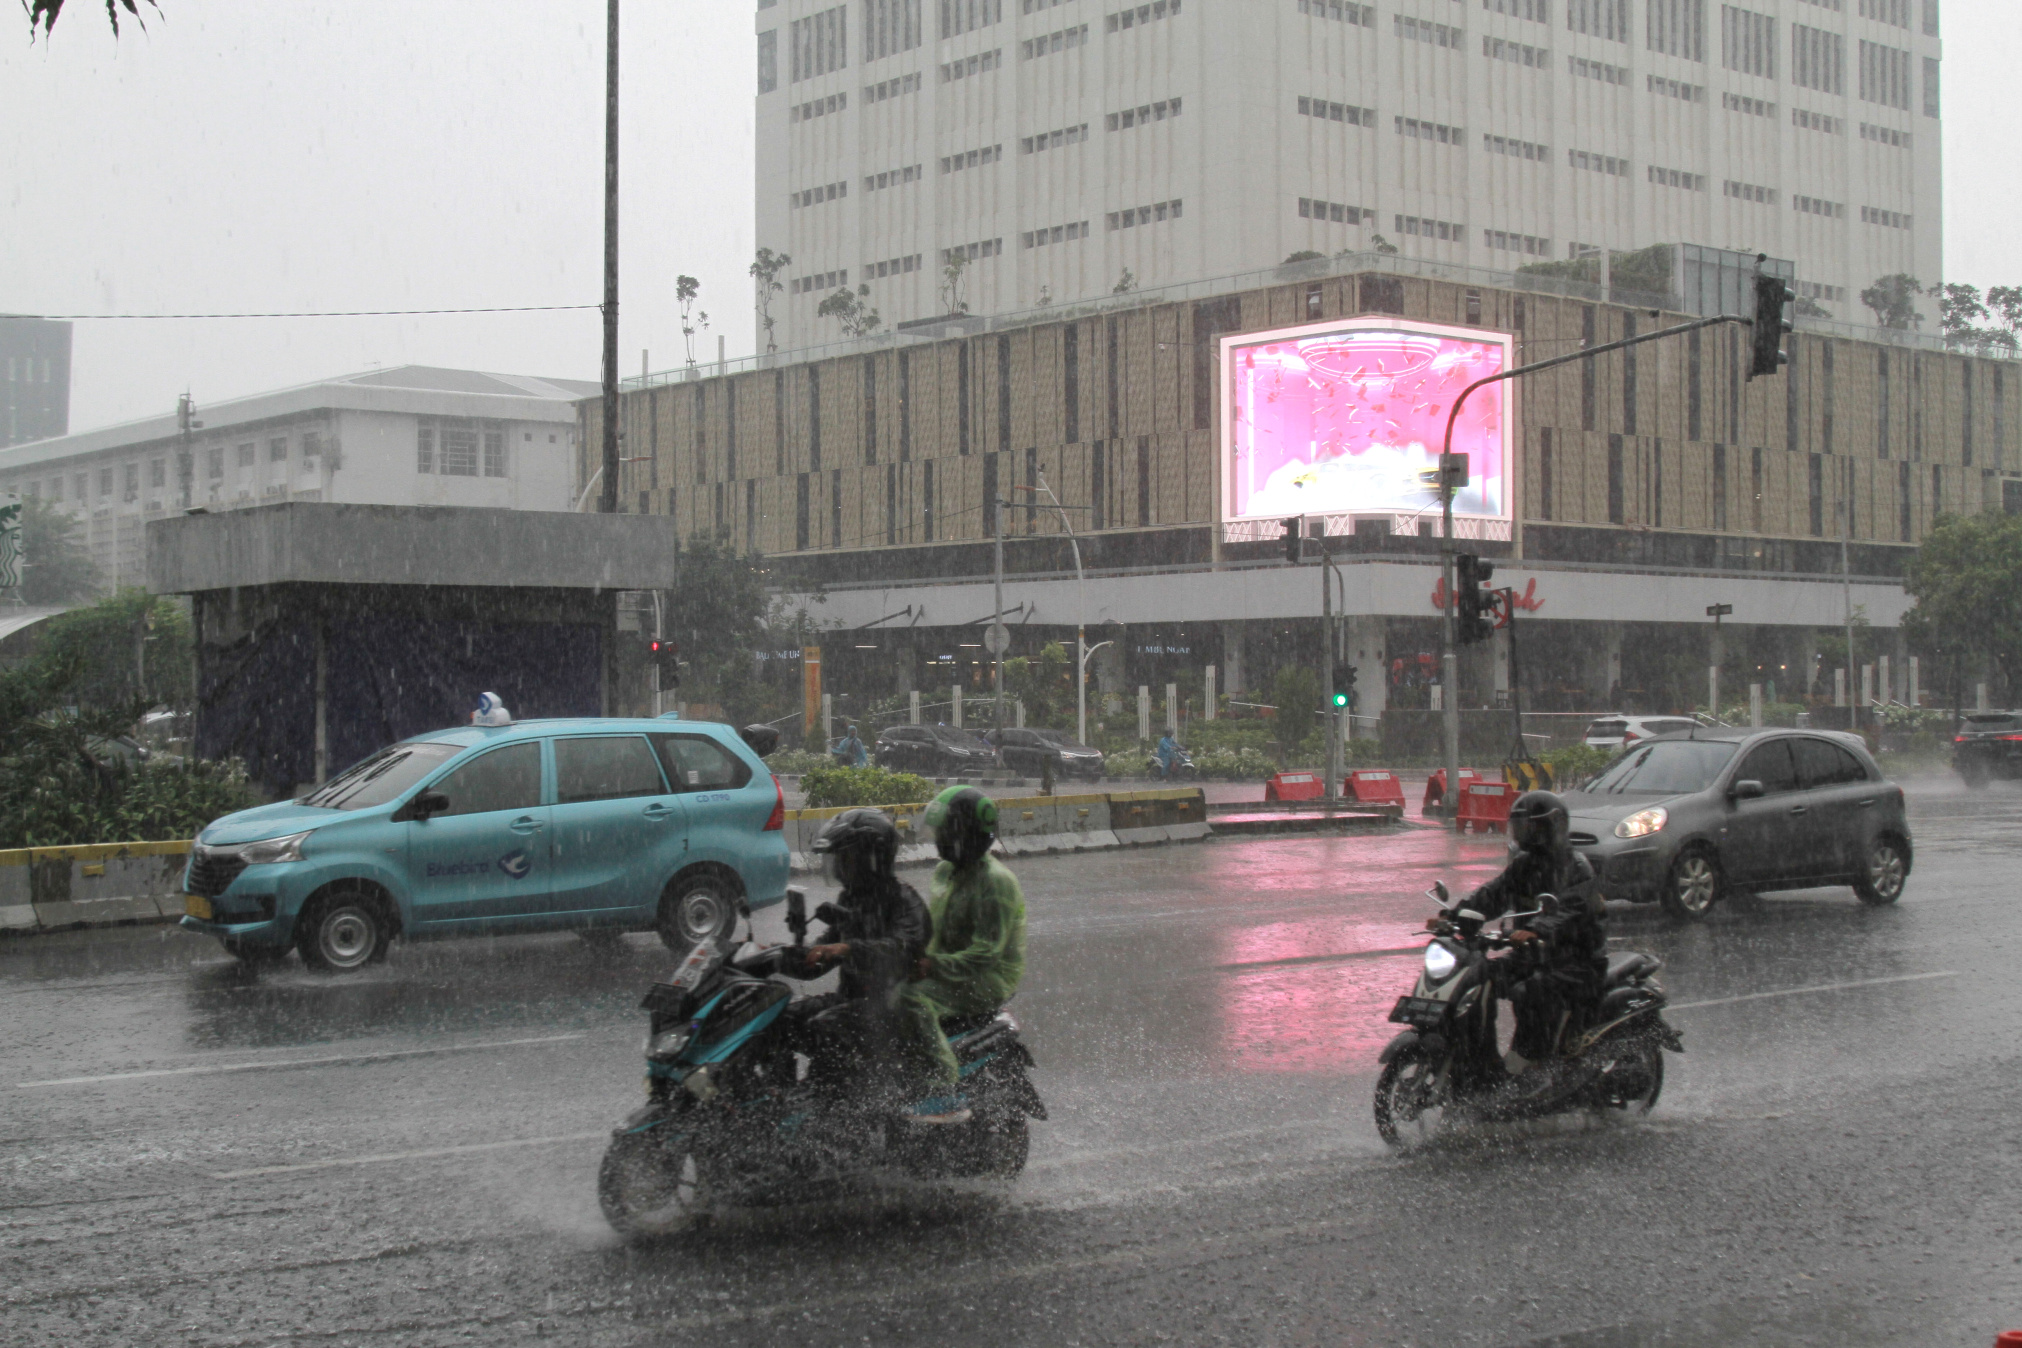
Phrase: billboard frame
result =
(1466, 524)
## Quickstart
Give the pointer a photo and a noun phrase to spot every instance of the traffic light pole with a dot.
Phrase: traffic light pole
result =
(1449, 657)
(1327, 663)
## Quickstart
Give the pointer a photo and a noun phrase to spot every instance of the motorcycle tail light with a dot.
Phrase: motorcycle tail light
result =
(776, 821)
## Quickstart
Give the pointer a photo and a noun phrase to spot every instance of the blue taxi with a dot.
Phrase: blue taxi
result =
(599, 824)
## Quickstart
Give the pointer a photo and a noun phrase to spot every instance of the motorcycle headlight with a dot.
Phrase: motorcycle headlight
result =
(1642, 823)
(1439, 962)
(272, 850)
(667, 1043)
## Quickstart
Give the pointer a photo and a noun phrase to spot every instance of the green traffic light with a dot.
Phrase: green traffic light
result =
(1340, 699)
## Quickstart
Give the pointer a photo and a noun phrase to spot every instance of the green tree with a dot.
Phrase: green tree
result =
(1966, 580)
(953, 272)
(1045, 685)
(1124, 283)
(130, 648)
(686, 291)
(1295, 691)
(55, 568)
(1303, 255)
(1894, 301)
(765, 270)
(851, 309)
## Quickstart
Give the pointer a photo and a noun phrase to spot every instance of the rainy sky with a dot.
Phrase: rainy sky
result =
(448, 153)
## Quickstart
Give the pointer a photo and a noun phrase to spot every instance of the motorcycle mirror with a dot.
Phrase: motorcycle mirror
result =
(1548, 904)
(1469, 915)
(1438, 891)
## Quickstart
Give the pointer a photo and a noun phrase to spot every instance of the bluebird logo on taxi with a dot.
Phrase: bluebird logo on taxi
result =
(516, 864)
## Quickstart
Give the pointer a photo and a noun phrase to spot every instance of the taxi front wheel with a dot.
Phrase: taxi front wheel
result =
(696, 908)
(342, 931)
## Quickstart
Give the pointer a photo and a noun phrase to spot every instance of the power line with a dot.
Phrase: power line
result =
(324, 313)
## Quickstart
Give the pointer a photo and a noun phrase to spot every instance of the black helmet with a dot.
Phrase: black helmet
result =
(1538, 821)
(964, 821)
(858, 847)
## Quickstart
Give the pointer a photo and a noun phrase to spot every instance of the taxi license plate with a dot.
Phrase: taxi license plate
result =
(196, 905)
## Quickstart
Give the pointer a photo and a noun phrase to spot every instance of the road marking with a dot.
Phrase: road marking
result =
(207, 1069)
(423, 1155)
(1320, 959)
(1820, 987)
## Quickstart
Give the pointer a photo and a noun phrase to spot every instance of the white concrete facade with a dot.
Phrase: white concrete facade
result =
(411, 435)
(1183, 139)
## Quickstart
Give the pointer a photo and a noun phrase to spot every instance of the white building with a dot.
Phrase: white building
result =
(410, 435)
(1060, 144)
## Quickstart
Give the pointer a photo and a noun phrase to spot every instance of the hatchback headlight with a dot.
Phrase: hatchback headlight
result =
(1642, 823)
(272, 850)
(1439, 962)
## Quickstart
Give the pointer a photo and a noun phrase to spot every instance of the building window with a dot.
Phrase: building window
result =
(1516, 149)
(1333, 211)
(1446, 231)
(277, 449)
(1144, 215)
(1424, 30)
(1535, 58)
(1832, 210)
(1126, 19)
(890, 27)
(1895, 12)
(966, 16)
(1748, 42)
(826, 281)
(892, 88)
(820, 43)
(1690, 182)
(820, 107)
(495, 454)
(132, 488)
(1599, 18)
(1875, 215)
(1817, 59)
(1053, 140)
(973, 251)
(815, 195)
(157, 473)
(1597, 70)
(1039, 238)
(1762, 196)
(768, 60)
(424, 448)
(1678, 28)
(955, 163)
(974, 65)
(1417, 130)
(1142, 116)
(897, 266)
(459, 451)
(1598, 163)
(1883, 135)
(1336, 112)
(1534, 10)
(1930, 86)
(1754, 107)
(216, 464)
(1817, 121)
(1529, 244)
(1065, 40)
(1884, 75)
(1690, 93)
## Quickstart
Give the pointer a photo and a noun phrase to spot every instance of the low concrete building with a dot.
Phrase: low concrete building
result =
(408, 436)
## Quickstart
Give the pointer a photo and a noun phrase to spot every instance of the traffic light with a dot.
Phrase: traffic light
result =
(1294, 549)
(1474, 605)
(667, 659)
(1344, 687)
(1766, 356)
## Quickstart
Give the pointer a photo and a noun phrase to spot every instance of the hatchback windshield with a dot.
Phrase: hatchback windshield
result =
(1665, 767)
(381, 777)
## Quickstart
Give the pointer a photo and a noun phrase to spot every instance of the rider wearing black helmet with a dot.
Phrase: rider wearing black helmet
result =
(877, 928)
(1570, 944)
(977, 954)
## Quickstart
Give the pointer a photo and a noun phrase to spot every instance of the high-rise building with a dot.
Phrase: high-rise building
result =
(35, 364)
(1060, 149)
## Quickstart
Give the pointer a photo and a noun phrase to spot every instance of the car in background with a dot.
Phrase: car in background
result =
(1688, 819)
(1027, 751)
(596, 824)
(1988, 746)
(934, 750)
(1616, 732)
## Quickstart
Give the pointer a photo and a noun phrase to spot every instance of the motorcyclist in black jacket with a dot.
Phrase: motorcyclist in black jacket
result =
(1568, 948)
(876, 929)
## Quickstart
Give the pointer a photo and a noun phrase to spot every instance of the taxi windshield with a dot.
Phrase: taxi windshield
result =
(381, 777)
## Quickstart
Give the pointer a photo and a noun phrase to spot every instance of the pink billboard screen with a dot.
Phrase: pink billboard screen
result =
(1347, 418)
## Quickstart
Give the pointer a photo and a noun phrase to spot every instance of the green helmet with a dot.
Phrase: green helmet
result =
(964, 821)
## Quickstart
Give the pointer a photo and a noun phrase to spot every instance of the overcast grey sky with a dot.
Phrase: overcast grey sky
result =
(448, 153)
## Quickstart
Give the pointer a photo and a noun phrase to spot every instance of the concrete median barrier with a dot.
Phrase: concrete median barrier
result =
(1036, 825)
(101, 885)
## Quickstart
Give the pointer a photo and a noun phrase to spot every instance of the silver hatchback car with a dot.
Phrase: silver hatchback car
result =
(1686, 819)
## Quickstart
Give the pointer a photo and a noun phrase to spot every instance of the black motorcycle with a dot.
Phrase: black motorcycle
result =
(1446, 1069)
(751, 1102)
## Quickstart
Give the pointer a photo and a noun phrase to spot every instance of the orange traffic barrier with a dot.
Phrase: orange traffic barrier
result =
(1370, 786)
(1484, 806)
(1295, 786)
(2009, 1338)
(1435, 786)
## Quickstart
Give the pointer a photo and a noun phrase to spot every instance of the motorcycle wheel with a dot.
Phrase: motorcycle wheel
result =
(1411, 1100)
(1653, 1072)
(648, 1189)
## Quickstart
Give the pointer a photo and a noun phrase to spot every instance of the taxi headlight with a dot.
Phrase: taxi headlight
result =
(666, 1044)
(272, 850)
(1642, 823)
(1439, 962)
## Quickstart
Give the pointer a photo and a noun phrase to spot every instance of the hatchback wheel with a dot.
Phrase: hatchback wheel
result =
(1888, 867)
(1693, 886)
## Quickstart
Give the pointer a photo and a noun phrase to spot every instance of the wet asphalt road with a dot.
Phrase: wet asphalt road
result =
(190, 1156)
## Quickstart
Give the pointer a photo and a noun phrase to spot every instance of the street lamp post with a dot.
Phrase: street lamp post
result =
(1082, 650)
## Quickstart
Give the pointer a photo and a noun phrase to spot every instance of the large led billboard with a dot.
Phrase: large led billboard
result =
(1346, 418)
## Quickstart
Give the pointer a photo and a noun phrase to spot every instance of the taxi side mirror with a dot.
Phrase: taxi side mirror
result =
(424, 805)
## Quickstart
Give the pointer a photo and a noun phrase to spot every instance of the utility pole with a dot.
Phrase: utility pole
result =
(608, 503)
(1329, 656)
(1716, 612)
(997, 623)
(1449, 653)
(186, 455)
(1846, 596)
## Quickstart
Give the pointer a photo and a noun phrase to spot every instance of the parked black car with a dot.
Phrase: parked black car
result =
(1026, 751)
(1988, 745)
(1687, 819)
(933, 750)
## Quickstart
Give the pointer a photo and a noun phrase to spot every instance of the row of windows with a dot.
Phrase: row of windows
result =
(893, 177)
(1336, 112)
(1424, 30)
(897, 266)
(890, 27)
(21, 370)
(1885, 136)
(1534, 10)
(1126, 19)
(1039, 238)
(1335, 211)
(978, 64)
(826, 192)
(1432, 229)
(1518, 149)
(966, 16)
(972, 252)
(1691, 93)
(1053, 140)
(1363, 15)
(1067, 39)
(1597, 70)
(1537, 58)
(955, 163)
(1139, 116)
(1875, 215)
(819, 43)
(1754, 107)
(1816, 290)
(1690, 182)
(1517, 243)
(1817, 121)
(1445, 135)
(892, 88)
(1144, 215)
(1599, 18)
(1748, 42)
(1598, 163)
(820, 107)
(1763, 196)
(828, 280)
(1831, 210)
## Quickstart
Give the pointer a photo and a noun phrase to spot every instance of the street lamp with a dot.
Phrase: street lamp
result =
(1082, 650)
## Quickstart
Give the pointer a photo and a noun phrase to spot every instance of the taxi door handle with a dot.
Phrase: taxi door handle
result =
(526, 823)
(657, 813)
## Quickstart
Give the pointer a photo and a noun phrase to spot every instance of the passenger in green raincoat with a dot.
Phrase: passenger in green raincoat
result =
(977, 955)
